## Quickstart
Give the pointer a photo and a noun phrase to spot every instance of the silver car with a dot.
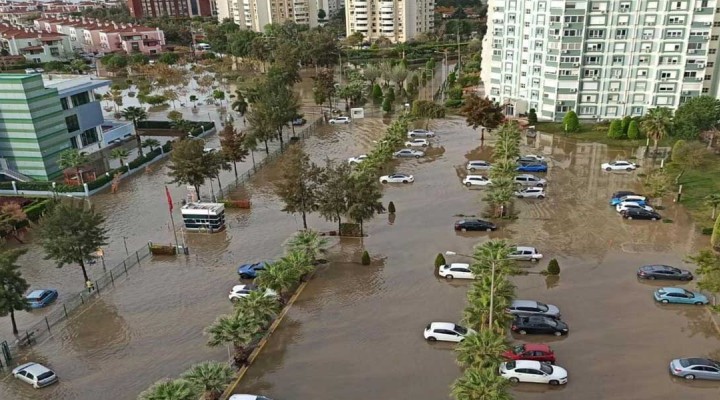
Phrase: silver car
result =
(35, 374)
(478, 165)
(529, 180)
(409, 153)
(531, 193)
(695, 368)
(532, 307)
(420, 133)
(525, 253)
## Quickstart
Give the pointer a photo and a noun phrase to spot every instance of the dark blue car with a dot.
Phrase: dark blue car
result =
(532, 167)
(250, 271)
(41, 297)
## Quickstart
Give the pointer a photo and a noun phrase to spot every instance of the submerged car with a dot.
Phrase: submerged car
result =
(532, 167)
(619, 165)
(533, 372)
(476, 180)
(358, 159)
(626, 205)
(248, 397)
(239, 291)
(409, 153)
(653, 272)
(339, 120)
(532, 307)
(421, 133)
(531, 193)
(474, 225)
(695, 368)
(635, 198)
(531, 158)
(417, 143)
(41, 297)
(397, 178)
(679, 296)
(531, 351)
(250, 271)
(35, 374)
(639, 213)
(446, 332)
(529, 180)
(538, 324)
(456, 270)
(525, 253)
(478, 165)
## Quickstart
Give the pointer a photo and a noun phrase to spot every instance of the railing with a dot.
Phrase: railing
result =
(15, 175)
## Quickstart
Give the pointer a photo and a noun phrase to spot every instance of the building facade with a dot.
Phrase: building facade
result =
(331, 7)
(36, 47)
(40, 119)
(171, 8)
(396, 20)
(256, 14)
(603, 59)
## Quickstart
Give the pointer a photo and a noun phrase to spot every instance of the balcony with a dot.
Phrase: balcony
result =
(114, 130)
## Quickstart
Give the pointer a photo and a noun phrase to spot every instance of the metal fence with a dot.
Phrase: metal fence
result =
(32, 334)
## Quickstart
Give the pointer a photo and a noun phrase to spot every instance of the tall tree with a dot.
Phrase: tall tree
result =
(70, 234)
(713, 200)
(427, 110)
(364, 198)
(151, 143)
(695, 116)
(212, 377)
(72, 158)
(324, 87)
(480, 384)
(240, 105)
(482, 112)
(187, 164)
(178, 389)
(259, 306)
(688, 156)
(656, 124)
(571, 123)
(481, 350)
(11, 216)
(233, 146)
(239, 329)
(333, 194)
(279, 277)
(135, 114)
(708, 270)
(309, 243)
(120, 154)
(299, 188)
(12, 286)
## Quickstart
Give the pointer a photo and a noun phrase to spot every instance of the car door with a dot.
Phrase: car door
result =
(712, 373)
(29, 378)
(536, 376)
(464, 273)
(663, 274)
(522, 374)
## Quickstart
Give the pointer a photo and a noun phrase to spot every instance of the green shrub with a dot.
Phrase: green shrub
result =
(6, 185)
(715, 237)
(391, 208)
(707, 231)
(453, 103)
(439, 260)
(615, 131)
(365, 258)
(553, 267)
(571, 123)
(633, 131)
(532, 117)
(455, 93)
(103, 179)
(626, 125)
(676, 148)
(35, 210)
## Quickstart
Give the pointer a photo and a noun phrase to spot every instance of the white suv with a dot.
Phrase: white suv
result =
(476, 180)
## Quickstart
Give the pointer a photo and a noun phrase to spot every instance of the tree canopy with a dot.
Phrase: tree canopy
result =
(187, 164)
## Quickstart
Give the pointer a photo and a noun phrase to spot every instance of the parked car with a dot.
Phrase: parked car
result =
(531, 351)
(533, 372)
(41, 297)
(529, 180)
(476, 180)
(35, 374)
(680, 296)
(695, 368)
(525, 253)
(531, 193)
(531, 158)
(250, 271)
(653, 272)
(446, 332)
(358, 159)
(339, 120)
(639, 213)
(409, 153)
(622, 193)
(478, 165)
(626, 205)
(641, 200)
(239, 291)
(421, 133)
(299, 121)
(474, 225)
(538, 324)
(619, 165)
(417, 143)
(456, 270)
(532, 167)
(248, 397)
(532, 307)
(397, 178)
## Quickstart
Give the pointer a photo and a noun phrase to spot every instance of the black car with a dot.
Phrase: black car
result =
(640, 213)
(622, 193)
(474, 225)
(539, 324)
(653, 272)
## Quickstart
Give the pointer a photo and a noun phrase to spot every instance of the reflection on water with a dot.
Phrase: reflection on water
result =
(97, 333)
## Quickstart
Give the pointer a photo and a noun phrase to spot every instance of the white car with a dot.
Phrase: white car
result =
(533, 157)
(530, 180)
(417, 143)
(533, 372)
(476, 180)
(619, 166)
(531, 193)
(420, 133)
(240, 291)
(456, 270)
(248, 397)
(446, 332)
(477, 164)
(397, 178)
(35, 374)
(525, 253)
(339, 120)
(626, 205)
(358, 159)
(409, 153)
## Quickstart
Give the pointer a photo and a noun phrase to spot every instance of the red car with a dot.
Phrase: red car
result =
(531, 351)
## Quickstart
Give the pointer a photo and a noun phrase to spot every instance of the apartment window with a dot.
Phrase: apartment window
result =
(569, 32)
(690, 74)
(708, 77)
(625, 6)
(666, 87)
(710, 64)
(595, 33)
(714, 37)
(72, 123)
(54, 52)
(665, 75)
(80, 99)
(618, 59)
(712, 51)
(89, 137)
(637, 110)
(676, 20)
(705, 90)
(64, 103)
(587, 110)
(673, 34)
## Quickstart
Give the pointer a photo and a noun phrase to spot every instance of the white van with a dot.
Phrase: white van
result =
(203, 46)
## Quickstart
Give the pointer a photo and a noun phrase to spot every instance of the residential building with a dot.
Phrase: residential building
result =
(396, 20)
(37, 47)
(601, 59)
(39, 119)
(256, 14)
(331, 7)
(171, 8)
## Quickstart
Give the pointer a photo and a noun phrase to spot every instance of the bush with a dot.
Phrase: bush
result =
(707, 231)
(36, 210)
(365, 258)
(553, 267)
(633, 131)
(391, 208)
(377, 93)
(626, 125)
(571, 123)
(453, 103)
(676, 148)
(439, 260)
(715, 237)
(615, 131)
(103, 179)
(532, 117)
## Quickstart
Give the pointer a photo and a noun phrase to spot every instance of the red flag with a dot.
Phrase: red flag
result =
(169, 199)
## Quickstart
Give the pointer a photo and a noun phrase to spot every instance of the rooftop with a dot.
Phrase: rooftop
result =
(203, 208)
(68, 85)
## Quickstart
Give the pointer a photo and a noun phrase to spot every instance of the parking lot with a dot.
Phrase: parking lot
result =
(356, 332)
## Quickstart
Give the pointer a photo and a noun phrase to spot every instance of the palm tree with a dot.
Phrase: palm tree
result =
(240, 105)
(300, 263)
(135, 114)
(656, 123)
(503, 168)
(713, 200)
(481, 350)
(211, 377)
(277, 276)
(259, 306)
(309, 243)
(493, 251)
(506, 150)
(120, 154)
(178, 389)
(480, 384)
(151, 143)
(500, 194)
(239, 329)
(72, 158)
(477, 313)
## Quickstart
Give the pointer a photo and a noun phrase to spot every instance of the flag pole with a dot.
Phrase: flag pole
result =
(172, 220)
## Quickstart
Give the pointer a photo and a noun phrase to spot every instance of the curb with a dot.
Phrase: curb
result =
(714, 320)
(241, 373)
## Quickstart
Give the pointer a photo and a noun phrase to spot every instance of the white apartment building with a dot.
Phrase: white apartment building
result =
(256, 14)
(604, 59)
(397, 20)
(330, 6)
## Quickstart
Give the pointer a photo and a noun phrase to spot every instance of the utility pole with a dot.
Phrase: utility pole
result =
(458, 51)
(445, 75)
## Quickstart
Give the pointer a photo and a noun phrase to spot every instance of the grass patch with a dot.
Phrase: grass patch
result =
(698, 184)
(667, 221)
(594, 132)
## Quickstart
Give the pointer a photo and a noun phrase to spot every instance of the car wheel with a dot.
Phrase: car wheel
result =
(534, 260)
(468, 184)
(629, 217)
(628, 169)
(424, 145)
(405, 181)
(519, 197)
(698, 303)
(488, 230)
(234, 299)
(417, 156)
(472, 169)
(665, 301)
(244, 276)
(652, 278)
(540, 185)
(432, 339)
(554, 382)
(522, 332)
(412, 135)
(608, 169)
(653, 219)
(558, 333)
(689, 377)
(514, 380)
(463, 229)
(383, 181)
(448, 277)
(541, 197)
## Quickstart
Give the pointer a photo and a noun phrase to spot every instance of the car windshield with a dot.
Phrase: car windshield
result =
(551, 322)
(459, 329)
(546, 369)
(45, 375)
(689, 294)
(542, 307)
(519, 349)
